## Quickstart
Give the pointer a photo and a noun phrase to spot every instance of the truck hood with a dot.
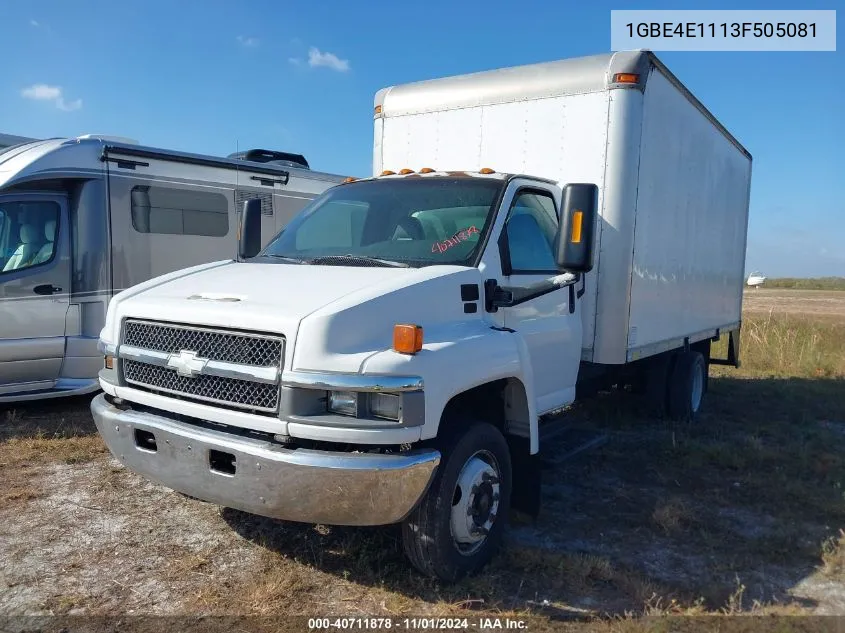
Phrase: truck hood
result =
(248, 296)
(341, 315)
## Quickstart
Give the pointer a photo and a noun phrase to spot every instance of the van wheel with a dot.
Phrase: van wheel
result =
(458, 525)
(686, 386)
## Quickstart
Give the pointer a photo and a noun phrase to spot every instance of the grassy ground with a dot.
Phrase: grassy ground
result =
(816, 283)
(740, 513)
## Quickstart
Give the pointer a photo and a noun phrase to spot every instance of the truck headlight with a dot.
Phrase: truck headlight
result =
(343, 402)
(380, 405)
(385, 405)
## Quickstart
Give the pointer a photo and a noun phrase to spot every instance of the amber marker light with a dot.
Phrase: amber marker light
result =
(407, 339)
(626, 78)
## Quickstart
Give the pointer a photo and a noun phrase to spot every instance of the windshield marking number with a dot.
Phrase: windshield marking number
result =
(457, 238)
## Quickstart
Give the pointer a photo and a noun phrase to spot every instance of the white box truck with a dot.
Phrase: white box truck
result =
(392, 355)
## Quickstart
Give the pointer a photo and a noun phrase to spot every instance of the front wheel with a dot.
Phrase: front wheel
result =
(458, 525)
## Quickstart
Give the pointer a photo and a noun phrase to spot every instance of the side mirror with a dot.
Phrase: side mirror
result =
(249, 229)
(576, 233)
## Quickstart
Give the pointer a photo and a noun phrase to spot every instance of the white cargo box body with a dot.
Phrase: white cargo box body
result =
(673, 183)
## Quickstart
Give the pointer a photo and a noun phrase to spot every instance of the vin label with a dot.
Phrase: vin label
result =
(707, 30)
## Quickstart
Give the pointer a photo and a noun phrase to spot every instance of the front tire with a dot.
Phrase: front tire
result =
(458, 525)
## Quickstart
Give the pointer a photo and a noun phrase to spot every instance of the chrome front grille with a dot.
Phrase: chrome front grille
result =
(150, 346)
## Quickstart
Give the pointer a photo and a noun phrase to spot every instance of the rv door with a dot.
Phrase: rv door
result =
(34, 290)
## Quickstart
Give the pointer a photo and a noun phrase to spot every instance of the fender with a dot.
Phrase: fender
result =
(443, 364)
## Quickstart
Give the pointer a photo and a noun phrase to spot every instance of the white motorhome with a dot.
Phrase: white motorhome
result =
(84, 218)
(426, 323)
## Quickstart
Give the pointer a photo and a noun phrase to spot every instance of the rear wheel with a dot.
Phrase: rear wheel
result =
(458, 525)
(687, 384)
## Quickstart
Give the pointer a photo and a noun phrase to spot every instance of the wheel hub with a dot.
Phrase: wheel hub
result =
(475, 503)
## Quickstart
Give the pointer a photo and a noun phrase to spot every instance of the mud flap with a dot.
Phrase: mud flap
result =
(525, 495)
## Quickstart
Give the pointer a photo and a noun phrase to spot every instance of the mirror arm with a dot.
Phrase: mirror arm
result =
(505, 297)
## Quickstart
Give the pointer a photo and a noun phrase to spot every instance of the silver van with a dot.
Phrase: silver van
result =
(83, 218)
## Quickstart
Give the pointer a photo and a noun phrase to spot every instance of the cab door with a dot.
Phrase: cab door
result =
(550, 324)
(34, 290)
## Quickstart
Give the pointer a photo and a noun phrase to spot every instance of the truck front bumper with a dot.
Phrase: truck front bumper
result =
(264, 478)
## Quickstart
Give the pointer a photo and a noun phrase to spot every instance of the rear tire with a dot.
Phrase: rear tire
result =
(687, 384)
(458, 525)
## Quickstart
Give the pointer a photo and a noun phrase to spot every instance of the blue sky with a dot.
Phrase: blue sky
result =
(211, 76)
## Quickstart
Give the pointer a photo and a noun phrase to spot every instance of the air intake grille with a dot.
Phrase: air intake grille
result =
(244, 349)
(240, 393)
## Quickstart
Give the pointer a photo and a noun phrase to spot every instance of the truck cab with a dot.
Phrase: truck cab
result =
(399, 325)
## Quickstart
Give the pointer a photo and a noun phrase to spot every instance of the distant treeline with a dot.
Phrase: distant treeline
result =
(814, 283)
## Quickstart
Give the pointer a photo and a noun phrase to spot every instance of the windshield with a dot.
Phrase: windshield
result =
(409, 221)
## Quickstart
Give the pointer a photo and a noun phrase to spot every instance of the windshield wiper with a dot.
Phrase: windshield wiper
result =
(286, 258)
(356, 260)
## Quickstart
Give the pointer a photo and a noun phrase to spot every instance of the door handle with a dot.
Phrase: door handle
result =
(46, 289)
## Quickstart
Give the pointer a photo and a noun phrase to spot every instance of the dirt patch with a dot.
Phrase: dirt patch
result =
(101, 540)
(808, 303)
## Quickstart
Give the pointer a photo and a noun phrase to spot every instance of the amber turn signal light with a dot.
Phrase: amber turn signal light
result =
(577, 223)
(407, 339)
(108, 362)
(625, 78)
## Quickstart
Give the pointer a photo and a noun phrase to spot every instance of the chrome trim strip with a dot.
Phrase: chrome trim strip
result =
(107, 349)
(148, 356)
(351, 382)
(253, 373)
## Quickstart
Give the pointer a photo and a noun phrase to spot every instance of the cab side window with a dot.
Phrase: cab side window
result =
(530, 233)
(28, 233)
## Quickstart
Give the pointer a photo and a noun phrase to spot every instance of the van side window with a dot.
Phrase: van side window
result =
(531, 228)
(28, 233)
(179, 211)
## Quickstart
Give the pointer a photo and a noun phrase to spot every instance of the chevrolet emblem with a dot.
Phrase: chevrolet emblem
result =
(187, 363)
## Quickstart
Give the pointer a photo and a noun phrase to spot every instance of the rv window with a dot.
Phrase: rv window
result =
(179, 211)
(28, 232)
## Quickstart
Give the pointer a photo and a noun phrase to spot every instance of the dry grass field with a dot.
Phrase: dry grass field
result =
(741, 513)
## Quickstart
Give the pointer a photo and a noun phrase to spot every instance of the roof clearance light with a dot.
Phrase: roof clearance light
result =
(350, 179)
(407, 339)
(626, 78)
(387, 172)
(378, 109)
(486, 170)
(577, 223)
(406, 171)
(426, 170)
